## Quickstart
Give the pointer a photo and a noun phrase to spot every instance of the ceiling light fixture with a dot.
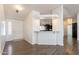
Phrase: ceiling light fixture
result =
(17, 11)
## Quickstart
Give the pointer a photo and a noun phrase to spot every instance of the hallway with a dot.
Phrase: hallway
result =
(24, 48)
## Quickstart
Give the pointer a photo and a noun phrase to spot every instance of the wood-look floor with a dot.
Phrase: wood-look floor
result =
(71, 47)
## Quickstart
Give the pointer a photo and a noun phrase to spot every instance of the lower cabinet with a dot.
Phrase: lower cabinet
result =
(47, 38)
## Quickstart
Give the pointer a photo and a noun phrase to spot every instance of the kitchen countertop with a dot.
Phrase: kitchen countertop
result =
(46, 31)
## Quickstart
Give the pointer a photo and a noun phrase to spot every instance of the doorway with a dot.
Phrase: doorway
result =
(74, 30)
(70, 33)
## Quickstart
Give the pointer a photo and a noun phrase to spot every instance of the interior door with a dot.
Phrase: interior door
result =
(74, 30)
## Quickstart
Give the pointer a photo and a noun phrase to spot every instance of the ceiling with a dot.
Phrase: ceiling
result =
(10, 10)
(71, 10)
(43, 8)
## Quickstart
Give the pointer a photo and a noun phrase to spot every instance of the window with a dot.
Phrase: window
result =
(9, 27)
(3, 32)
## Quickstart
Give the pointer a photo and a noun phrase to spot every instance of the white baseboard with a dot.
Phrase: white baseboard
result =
(28, 41)
(16, 39)
(49, 44)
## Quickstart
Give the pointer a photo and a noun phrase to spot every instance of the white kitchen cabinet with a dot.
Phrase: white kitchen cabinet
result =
(36, 20)
(46, 38)
(36, 25)
(55, 23)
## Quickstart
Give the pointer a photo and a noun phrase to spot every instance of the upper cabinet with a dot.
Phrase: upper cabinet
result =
(55, 23)
(45, 22)
(36, 20)
(48, 22)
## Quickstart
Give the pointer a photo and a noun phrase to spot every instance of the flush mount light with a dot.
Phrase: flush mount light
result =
(17, 11)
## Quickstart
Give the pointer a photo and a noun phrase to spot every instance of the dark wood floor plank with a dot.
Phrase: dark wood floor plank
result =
(24, 48)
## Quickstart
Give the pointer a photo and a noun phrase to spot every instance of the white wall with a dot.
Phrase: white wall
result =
(2, 37)
(16, 30)
(28, 28)
(69, 30)
(35, 26)
(78, 26)
(31, 24)
(65, 28)
(60, 33)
